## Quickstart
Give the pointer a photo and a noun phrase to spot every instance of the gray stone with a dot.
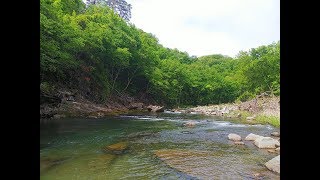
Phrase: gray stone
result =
(274, 164)
(252, 137)
(266, 142)
(276, 134)
(234, 137)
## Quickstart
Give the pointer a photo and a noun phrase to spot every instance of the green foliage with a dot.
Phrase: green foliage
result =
(46, 88)
(245, 96)
(272, 120)
(94, 50)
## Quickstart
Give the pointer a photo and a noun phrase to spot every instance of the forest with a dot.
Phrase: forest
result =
(93, 49)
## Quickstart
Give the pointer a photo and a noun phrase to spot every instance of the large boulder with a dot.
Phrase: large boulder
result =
(155, 108)
(252, 137)
(274, 164)
(266, 142)
(234, 137)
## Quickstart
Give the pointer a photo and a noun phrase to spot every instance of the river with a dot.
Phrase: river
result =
(159, 147)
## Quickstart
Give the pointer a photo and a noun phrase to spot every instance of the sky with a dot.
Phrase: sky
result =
(204, 27)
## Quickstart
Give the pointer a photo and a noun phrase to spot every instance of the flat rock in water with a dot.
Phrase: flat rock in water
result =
(187, 161)
(278, 149)
(266, 142)
(234, 137)
(276, 134)
(252, 137)
(274, 164)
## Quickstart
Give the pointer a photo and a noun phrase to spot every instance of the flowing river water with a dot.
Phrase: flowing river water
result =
(159, 146)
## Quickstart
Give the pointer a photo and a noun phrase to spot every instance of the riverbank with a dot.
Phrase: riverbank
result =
(68, 104)
(260, 110)
(263, 109)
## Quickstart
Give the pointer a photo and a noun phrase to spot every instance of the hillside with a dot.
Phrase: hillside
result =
(97, 57)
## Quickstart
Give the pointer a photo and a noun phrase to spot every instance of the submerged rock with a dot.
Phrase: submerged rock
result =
(274, 164)
(117, 148)
(252, 137)
(102, 160)
(139, 134)
(47, 163)
(185, 160)
(234, 137)
(266, 142)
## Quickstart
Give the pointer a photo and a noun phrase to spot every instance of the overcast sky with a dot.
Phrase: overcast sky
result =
(203, 27)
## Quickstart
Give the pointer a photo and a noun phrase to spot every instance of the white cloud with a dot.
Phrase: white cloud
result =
(205, 27)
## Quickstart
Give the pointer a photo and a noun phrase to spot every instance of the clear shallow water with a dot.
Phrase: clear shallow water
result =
(71, 148)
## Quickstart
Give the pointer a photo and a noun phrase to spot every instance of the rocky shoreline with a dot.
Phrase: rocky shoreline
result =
(257, 110)
(251, 112)
(67, 104)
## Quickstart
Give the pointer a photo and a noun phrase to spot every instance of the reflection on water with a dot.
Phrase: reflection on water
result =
(159, 147)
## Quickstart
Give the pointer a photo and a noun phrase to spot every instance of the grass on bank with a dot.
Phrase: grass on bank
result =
(259, 118)
(272, 120)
